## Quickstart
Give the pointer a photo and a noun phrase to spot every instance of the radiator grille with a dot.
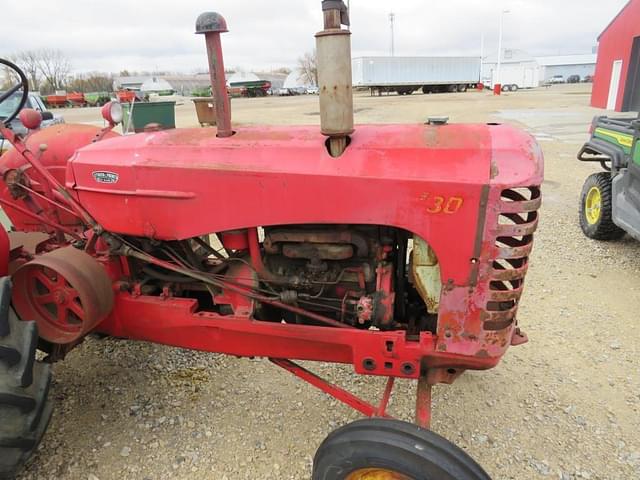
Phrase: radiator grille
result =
(517, 221)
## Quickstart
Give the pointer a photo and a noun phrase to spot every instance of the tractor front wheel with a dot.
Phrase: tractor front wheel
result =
(382, 449)
(24, 385)
(596, 209)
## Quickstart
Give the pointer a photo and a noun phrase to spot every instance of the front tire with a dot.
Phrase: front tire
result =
(24, 385)
(391, 450)
(596, 209)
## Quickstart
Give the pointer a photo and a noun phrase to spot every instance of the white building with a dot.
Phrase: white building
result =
(516, 68)
(567, 65)
(526, 71)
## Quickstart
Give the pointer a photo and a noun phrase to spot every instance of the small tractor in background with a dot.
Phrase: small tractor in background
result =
(610, 200)
(401, 250)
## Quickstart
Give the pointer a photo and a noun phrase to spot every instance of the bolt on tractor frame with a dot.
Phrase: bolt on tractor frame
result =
(398, 249)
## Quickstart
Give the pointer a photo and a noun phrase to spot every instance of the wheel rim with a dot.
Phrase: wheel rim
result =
(377, 474)
(593, 206)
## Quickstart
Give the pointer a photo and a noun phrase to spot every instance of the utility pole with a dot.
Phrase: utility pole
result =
(392, 19)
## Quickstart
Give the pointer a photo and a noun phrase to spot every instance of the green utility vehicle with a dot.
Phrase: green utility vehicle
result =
(610, 200)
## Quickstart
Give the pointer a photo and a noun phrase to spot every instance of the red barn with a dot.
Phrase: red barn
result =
(616, 83)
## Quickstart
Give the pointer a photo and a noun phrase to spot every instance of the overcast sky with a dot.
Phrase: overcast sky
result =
(158, 34)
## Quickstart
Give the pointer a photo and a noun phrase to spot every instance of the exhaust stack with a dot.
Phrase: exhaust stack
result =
(211, 25)
(333, 47)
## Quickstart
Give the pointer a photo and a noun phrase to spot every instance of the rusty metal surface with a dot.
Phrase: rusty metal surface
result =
(66, 291)
(211, 22)
(322, 251)
(336, 392)
(339, 236)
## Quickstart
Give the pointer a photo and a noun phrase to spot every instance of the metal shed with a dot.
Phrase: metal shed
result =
(567, 65)
(616, 83)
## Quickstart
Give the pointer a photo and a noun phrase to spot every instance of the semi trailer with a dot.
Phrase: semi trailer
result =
(405, 75)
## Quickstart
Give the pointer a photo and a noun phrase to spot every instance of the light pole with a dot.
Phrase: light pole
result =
(392, 19)
(481, 58)
(498, 78)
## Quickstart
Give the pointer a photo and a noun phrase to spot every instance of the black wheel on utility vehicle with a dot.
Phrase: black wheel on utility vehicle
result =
(462, 88)
(391, 450)
(24, 385)
(596, 203)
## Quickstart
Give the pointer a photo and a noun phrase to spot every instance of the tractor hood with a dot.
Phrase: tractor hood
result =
(179, 184)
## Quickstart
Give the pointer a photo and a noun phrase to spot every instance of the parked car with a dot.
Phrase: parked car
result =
(33, 101)
(313, 91)
(573, 79)
(588, 79)
(557, 79)
(283, 92)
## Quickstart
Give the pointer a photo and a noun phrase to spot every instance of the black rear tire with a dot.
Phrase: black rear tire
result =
(600, 227)
(392, 446)
(24, 386)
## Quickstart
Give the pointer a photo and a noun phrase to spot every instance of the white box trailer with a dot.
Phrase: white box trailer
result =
(408, 74)
(516, 76)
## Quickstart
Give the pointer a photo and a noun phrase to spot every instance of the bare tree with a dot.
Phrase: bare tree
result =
(28, 61)
(308, 66)
(91, 82)
(6, 82)
(54, 66)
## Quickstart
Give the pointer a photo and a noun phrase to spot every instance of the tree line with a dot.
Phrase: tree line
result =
(49, 70)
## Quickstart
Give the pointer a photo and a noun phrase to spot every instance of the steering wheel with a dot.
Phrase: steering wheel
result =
(23, 85)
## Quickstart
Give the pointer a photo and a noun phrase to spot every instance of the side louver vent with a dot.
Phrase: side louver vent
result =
(517, 222)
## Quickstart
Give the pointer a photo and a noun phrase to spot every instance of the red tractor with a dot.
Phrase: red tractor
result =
(398, 249)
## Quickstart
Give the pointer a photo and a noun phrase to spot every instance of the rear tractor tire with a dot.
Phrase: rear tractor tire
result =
(596, 209)
(24, 385)
(382, 449)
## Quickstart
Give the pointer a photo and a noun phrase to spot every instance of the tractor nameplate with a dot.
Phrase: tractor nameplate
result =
(105, 177)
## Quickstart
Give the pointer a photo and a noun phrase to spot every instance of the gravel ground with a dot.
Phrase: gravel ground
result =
(565, 406)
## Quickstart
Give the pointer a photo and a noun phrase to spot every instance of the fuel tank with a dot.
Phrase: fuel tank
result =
(433, 181)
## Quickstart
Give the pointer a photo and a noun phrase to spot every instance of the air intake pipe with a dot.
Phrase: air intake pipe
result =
(333, 47)
(211, 25)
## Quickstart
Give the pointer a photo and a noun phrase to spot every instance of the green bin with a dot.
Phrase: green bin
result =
(162, 113)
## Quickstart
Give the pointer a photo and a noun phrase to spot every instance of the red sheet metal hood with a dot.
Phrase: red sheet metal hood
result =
(453, 152)
(183, 183)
